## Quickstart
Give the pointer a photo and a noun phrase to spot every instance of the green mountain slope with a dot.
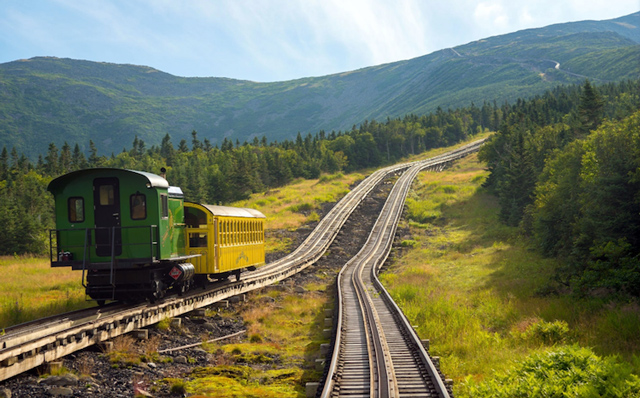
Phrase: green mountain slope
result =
(46, 100)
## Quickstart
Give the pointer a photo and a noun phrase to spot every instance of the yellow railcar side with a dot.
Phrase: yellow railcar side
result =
(226, 238)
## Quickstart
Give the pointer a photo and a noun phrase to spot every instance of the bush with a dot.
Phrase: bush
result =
(564, 372)
(548, 332)
(409, 243)
(178, 387)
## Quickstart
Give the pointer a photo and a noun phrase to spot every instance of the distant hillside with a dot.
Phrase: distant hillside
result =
(46, 100)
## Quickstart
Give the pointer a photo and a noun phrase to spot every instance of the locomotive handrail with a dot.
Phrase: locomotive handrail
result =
(56, 250)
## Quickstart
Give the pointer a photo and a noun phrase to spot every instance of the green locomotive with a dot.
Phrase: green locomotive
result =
(126, 231)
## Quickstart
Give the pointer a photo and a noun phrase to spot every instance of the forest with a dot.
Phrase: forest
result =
(564, 165)
(569, 178)
(231, 172)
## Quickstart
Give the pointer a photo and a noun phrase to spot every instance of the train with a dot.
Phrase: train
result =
(135, 237)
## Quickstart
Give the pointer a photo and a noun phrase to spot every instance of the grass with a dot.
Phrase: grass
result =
(278, 358)
(39, 291)
(292, 206)
(473, 286)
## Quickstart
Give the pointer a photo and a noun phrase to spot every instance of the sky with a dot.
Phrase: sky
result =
(271, 40)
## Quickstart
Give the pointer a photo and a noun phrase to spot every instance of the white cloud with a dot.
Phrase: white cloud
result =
(491, 14)
(269, 40)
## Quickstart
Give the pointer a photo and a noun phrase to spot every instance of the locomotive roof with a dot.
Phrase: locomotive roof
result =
(153, 180)
(231, 211)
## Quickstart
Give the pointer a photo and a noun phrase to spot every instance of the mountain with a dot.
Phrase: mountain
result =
(46, 99)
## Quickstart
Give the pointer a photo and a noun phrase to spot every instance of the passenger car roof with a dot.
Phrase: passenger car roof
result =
(230, 211)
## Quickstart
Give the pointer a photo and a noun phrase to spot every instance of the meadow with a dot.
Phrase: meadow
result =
(31, 289)
(481, 295)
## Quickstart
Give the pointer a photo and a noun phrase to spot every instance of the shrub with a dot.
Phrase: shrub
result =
(330, 177)
(313, 217)
(409, 243)
(548, 332)
(255, 338)
(300, 207)
(178, 387)
(164, 324)
(564, 372)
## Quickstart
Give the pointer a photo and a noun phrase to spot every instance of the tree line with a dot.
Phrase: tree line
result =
(569, 178)
(223, 174)
(530, 135)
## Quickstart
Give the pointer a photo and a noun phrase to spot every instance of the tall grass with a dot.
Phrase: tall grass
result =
(473, 286)
(31, 289)
(292, 206)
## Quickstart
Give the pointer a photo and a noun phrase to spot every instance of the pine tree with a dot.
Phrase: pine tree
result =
(590, 108)
(52, 165)
(78, 160)
(166, 150)
(65, 160)
(195, 143)
(94, 159)
(4, 163)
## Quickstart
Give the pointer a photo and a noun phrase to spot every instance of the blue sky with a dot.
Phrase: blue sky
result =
(272, 40)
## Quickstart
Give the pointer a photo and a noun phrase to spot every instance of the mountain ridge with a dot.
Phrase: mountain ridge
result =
(48, 99)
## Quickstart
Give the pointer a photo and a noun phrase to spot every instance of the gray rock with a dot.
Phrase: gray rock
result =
(209, 326)
(152, 365)
(180, 359)
(61, 391)
(5, 393)
(60, 381)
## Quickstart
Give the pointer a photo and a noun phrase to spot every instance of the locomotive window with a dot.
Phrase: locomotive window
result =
(107, 197)
(138, 208)
(76, 209)
(165, 206)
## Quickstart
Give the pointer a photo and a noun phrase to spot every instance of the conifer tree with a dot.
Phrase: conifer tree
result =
(590, 108)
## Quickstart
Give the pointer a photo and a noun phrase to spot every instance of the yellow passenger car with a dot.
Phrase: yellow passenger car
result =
(228, 239)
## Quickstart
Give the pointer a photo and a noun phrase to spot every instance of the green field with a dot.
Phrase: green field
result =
(475, 289)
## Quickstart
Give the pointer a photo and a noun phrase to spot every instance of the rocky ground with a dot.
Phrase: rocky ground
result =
(127, 378)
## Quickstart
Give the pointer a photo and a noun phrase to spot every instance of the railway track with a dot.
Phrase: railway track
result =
(32, 344)
(376, 352)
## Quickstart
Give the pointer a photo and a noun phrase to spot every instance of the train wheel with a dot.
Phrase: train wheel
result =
(158, 292)
(101, 302)
(183, 288)
(201, 280)
(237, 274)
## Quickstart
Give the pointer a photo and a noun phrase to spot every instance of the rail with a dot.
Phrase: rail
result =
(361, 313)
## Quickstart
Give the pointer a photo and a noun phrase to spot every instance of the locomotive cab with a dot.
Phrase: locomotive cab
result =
(124, 229)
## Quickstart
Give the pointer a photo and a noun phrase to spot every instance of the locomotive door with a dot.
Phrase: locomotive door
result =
(106, 204)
